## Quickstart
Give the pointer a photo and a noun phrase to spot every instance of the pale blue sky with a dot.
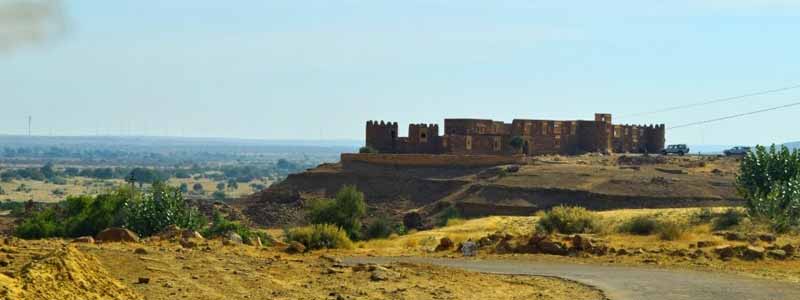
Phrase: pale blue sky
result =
(320, 69)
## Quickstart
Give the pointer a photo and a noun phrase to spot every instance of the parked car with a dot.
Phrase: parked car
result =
(679, 149)
(736, 151)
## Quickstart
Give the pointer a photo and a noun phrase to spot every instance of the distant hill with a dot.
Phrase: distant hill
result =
(793, 145)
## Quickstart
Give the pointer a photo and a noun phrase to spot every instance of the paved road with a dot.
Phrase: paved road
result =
(621, 283)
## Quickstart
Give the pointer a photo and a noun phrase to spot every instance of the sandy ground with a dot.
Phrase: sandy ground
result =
(214, 271)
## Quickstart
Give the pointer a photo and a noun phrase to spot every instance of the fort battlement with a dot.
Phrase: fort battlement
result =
(520, 137)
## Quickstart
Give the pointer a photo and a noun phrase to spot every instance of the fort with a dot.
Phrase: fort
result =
(520, 137)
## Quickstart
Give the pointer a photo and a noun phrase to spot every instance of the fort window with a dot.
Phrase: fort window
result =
(469, 143)
(574, 128)
(544, 128)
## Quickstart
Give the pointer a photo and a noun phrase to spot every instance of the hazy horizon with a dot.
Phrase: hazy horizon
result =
(317, 70)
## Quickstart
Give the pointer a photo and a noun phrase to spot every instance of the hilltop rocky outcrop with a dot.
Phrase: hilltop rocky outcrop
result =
(596, 182)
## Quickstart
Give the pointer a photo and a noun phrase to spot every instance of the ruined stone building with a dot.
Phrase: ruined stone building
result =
(536, 137)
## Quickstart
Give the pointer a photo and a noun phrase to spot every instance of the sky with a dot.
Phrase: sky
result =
(320, 69)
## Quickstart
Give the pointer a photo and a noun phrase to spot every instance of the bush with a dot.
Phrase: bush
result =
(668, 230)
(222, 226)
(703, 216)
(381, 228)
(640, 225)
(219, 195)
(770, 182)
(367, 150)
(2, 191)
(671, 230)
(41, 225)
(86, 215)
(345, 211)
(730, 218)
(161, 207)
(569, 220)
(448, 213)
(319, 236)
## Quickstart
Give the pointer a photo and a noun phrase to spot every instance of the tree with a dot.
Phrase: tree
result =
(184, 188)
(197, 188)
(232, 184)
(345, 211)
(221, 186)
(143, 175)
(219, 195)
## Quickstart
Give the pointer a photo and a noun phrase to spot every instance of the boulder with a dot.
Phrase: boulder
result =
(84, 239)
(553, 248)
(445, 244)
(188, 243)
(117, 235)
(141, 251)
(504, 247)
(232, 238)
(777, 254)
(789, 249)
(735, 236)
(753, 253)
(171, 232)
(191, 234)
(706, 244)
(581, 243)
(767, 237)
(725, 252)
(295, 247)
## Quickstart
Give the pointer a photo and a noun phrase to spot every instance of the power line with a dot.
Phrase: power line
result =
(720, 100)
(736, 116)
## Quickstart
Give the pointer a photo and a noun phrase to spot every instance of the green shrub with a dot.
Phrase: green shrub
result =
(87, 215)
(569, 220)
(345, 211)
(161, 207)
(670, 230)
(319, 236)
(367, 150)
(222, 226)
(2, 191)
(219, 195)
(381, 228)
(640, 225)
(448, 213)
(702, 216)
(770, 182)
(730, 218)
(41, 225)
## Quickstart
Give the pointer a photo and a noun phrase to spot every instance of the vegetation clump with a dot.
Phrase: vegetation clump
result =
(770, 182)
(569, 220)
(320, 236)
(345, 211)
(145, 213)
(221, 226)
(668, 230)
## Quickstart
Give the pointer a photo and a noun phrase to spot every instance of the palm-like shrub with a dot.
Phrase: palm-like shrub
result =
(770, 182)
(159, 208)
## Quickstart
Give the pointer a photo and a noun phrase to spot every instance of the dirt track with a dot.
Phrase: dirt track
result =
(621, 283)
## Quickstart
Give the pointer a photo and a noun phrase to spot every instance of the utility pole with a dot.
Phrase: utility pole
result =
(30, 119)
